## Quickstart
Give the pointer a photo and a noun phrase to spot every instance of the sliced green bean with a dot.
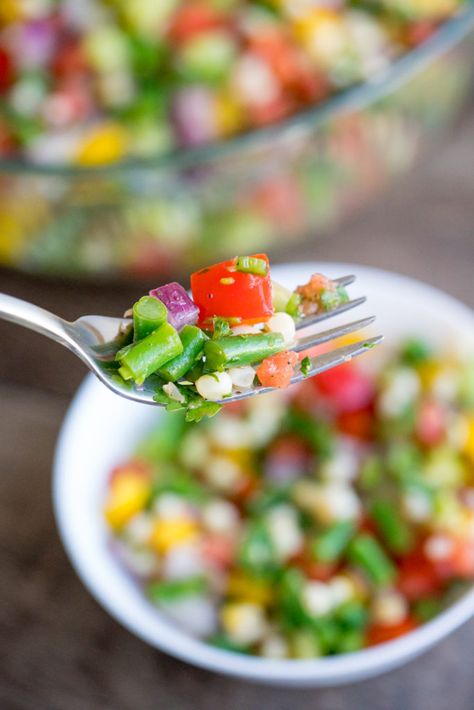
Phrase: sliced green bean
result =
(148, 355)
(238, 350)
(331, 543)
(192, 339)
(366, 553)
(394, 530)
(148, 314)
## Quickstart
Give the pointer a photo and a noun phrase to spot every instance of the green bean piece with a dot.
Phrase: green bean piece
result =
(251, 265)
(149, 354)
(331, 543)
(192, 339)
(171, 590)
(238, 350)
(394, 530)
(148, 314)
(365, 552)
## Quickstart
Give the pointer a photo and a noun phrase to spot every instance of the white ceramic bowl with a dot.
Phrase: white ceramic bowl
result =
(101, 429)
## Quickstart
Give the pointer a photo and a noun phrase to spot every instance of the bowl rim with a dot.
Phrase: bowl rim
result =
(449, 33)
(332, 670)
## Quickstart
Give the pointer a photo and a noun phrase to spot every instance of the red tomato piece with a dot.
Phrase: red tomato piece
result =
(381, 633)
(192, 19)
(277, 371)
(431, 423)
(134, 467)
(358, 424)
(347, 387)
(221, 291)
(218, 550)
(418, 577)
(6, 70)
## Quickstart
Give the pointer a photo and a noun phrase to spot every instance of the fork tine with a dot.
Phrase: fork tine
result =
(345, 280)
(318, 364)
(325, 335)
(318, 317)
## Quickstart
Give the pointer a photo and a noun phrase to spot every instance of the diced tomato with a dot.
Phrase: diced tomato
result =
(381, 633)
(277, 371)
(131, 468)
(193, 18)
(218, 550)
(431, 423)
(319, 571)
(418, 576)
(6, 70)
(420, 31)
(347, 387)
(221, 291)
(287, 458)
(270, 112)
(280, 200)
(463, 558)
(358, 424)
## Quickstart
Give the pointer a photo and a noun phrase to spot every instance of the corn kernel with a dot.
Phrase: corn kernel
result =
(469, 442)
(244, 623)
(127, 496)
(104, 144)
(168, 533)
(250, 590)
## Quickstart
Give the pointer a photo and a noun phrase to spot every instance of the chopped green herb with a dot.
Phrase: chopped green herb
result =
(305, 366)
(251, 265)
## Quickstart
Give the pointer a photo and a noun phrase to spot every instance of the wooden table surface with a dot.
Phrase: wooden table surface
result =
(58, 649)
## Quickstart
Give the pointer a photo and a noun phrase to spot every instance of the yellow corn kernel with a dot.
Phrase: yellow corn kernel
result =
(104, 144)
(428, 371)
(243, 622)
(469, 442)
(128, 495)
(250, 590)
(168, 533)
(229, 116)
(322, 33)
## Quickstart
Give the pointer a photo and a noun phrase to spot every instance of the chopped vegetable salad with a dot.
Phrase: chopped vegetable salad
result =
(237, 329)
(320, 520)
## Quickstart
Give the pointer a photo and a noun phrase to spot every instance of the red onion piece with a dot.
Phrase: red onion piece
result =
(194, 116)
(181, 309)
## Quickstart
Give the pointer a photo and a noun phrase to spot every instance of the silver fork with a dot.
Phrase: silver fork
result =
(96, 339)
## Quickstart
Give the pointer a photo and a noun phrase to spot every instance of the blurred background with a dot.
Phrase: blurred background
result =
(346, 135)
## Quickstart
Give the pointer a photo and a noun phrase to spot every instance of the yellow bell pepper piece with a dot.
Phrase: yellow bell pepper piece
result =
(128, 495)
(469, 442)
(248, 589)
(104, 144)
(168, 533)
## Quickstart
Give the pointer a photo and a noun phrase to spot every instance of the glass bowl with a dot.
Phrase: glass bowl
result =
(268, 189)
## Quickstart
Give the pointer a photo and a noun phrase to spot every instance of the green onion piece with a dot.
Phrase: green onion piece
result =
(394, 530)
(257, 554)
(370, 473)
(415, 351)
(192, 339)
(251, 265)
(352, 615)
(332, 298)
(330, 545)
(148, 314)
(148, 355)
(304, 643)
(280, 296)
(366, 553)
(305, 366)
(427, 608)
(238, 350)
(293, 305)
(317, 433)
(169, 591)
(350, 641)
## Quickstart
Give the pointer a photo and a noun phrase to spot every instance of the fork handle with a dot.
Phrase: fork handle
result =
(35, 318)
